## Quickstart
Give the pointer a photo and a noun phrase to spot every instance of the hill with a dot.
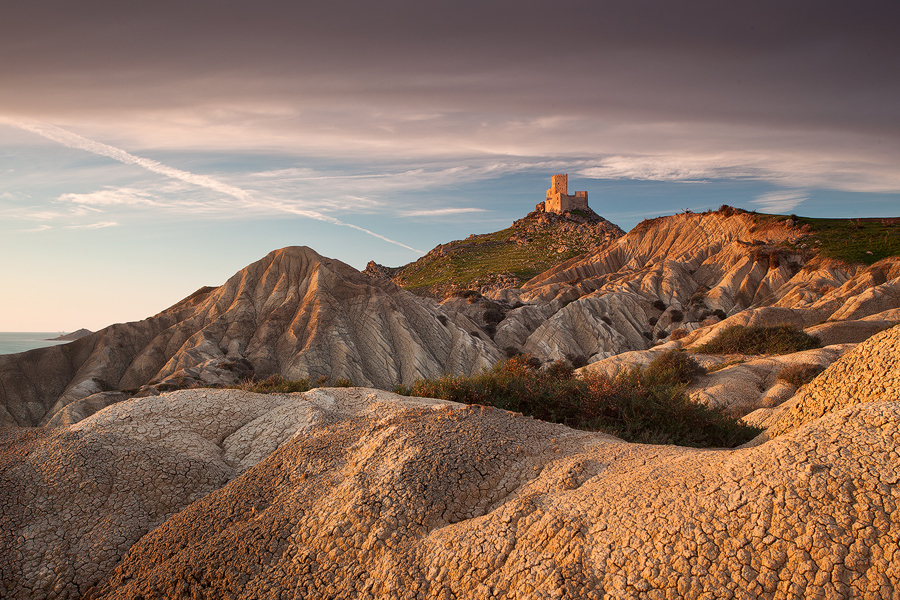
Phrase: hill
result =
(506, 258)
(71, 337)
(293, 313)
(302, 316)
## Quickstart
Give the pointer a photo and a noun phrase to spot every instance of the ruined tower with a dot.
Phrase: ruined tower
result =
(558, 201)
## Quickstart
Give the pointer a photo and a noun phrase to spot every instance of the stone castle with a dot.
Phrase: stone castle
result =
(558, 199)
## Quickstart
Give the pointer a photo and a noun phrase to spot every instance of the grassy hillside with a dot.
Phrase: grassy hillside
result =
(506, 258)
(539, 241)
(853, 241)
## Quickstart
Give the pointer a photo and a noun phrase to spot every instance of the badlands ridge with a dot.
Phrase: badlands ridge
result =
(359, 493)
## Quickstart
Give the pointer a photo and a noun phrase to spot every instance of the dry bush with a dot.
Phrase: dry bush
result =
(679, 333)
(799, 375)
(780, 339)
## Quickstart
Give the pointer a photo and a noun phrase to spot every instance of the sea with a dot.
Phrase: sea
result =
(18, 341)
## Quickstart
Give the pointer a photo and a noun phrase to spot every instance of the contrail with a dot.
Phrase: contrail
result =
(73, 140)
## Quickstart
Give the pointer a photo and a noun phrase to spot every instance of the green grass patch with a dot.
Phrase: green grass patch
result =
(521, 251)
(638, 405)
(739, 339)
(853, 241)
(466, 261)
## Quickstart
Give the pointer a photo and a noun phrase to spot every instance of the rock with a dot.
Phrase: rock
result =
(870, 373)
(376, 271)
(749, 384)
(358, 493)
(873, 300)
(83, 408)
(591, 327)
(845, 332)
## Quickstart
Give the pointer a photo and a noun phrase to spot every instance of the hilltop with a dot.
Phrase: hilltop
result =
(503, 259)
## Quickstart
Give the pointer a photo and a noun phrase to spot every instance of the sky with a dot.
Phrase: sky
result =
(149, 149)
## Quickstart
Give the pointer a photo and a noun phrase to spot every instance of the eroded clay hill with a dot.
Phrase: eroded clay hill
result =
(688, 273)
(300, 315)
(355, 493)
(293, 313)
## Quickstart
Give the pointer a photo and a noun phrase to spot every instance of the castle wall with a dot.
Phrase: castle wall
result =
(558, 200)
(553, 203)
(559, 183)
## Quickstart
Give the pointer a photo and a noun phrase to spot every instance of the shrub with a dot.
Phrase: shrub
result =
(674, 366)
(679, 333)
(274, 384)
(659, 305)
(800, 374)
(471, 295)
(653, 321)
(636, 405)
(780, 339)
(560, 369)
(699, 295)
(726, 211)
(577, 360)
(677, 316)
(492, 315)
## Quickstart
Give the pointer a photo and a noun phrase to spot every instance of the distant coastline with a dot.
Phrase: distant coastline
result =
(71, 337)
(12, 342)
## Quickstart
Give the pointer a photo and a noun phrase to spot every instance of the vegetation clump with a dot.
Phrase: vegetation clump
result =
(799, 375)
(740, 339)
(276, 384)
(679, 333)
(637, 405)
(675, 365)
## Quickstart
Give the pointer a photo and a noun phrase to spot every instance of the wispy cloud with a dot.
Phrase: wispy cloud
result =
(111, 197)
(72, 140)
(37, 229)
(441, 212)
(100, 225)
(660, 168)
(39, 215)
(782, 201)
